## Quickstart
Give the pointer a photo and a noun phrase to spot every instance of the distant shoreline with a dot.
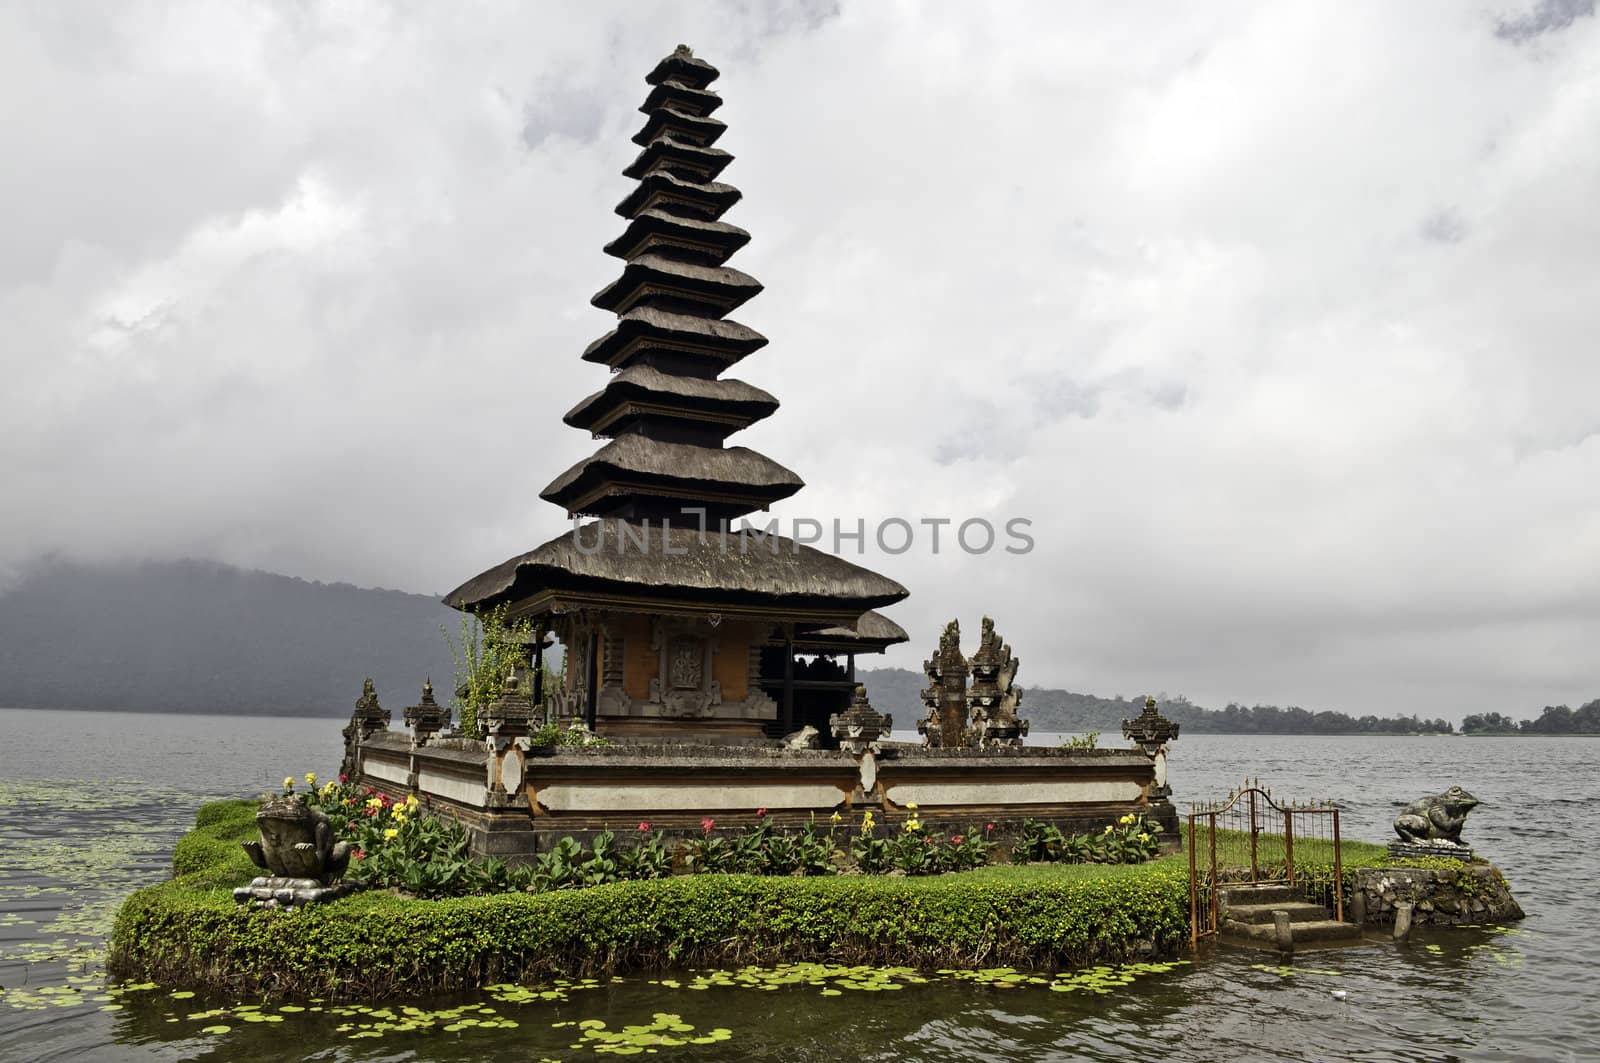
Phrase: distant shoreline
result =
(1219, 734)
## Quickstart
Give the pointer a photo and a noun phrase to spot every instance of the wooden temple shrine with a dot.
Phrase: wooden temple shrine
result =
(693, 646)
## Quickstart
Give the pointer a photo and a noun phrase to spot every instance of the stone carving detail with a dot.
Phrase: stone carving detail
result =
(946, 694)
(367, 718)
(860, 726)
(994, 696)
(684, 685)
(427, 717)
(1436, 820)
(298, 850)
(684, 659)
(1150, 730)
(806, 738)
(508, 717)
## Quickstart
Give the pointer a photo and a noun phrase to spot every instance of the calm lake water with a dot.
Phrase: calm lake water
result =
(91, 804)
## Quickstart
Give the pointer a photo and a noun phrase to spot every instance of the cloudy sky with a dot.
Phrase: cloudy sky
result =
(1278, 321)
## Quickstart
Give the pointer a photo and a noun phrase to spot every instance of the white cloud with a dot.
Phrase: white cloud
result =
(1277, 324)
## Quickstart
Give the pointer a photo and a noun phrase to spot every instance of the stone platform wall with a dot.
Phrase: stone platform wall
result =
(516, 802)
(1474, 894)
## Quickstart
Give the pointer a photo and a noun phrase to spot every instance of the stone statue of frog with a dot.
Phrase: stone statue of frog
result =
(297, 841)
(1436, 819)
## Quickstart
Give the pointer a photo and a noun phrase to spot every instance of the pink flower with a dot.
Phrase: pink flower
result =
(643, 826)
(360, 854)
(988, 826)
(760, 812)
(707, 824)
(343, 778)
(955, 839)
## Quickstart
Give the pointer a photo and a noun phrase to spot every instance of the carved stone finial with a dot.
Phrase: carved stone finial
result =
(946, 694)
(860, 726)
(683, 51)
(368, 717)
(1150, 730)
(994, 697)
(427, 717)
(509, 716)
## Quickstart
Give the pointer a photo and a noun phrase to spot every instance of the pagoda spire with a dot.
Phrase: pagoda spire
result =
(666, 411)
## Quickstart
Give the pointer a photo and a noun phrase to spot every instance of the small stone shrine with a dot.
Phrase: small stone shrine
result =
(693, 647)
(368, 718)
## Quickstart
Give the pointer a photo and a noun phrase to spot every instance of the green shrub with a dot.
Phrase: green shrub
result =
(375, 944)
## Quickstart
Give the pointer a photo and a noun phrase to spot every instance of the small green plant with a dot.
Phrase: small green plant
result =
(490, 646)
(649, 859)
(1087, 740)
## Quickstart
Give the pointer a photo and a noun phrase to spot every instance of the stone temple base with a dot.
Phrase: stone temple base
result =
(1434, 849)
(272, 891)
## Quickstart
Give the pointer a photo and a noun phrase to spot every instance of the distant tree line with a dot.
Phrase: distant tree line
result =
(898, 691)
(1554, 720)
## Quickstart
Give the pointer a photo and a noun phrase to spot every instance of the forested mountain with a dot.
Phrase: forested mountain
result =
(897, 691)
(194, 636)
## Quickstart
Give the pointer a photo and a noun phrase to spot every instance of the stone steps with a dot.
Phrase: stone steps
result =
(1249, 918)
(1299, 912)
(1312, 932)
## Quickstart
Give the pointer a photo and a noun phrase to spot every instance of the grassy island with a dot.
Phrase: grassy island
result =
(190, 932)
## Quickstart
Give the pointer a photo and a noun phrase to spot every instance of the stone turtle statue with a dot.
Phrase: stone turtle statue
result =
(1436, 819)
(298, 851)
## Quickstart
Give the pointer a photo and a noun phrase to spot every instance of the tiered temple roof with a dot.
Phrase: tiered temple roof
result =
(666, 412)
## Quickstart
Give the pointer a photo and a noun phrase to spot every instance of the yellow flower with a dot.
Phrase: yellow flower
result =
(1109, 828)
(912, 805)
(399, 816)
(389, 834)
(913, 824)
(836, 818)
(1127, 820)
(288, 782)
(311, 779)
(866, 821)
(411, 802)
(1144, 837)
(373, 802)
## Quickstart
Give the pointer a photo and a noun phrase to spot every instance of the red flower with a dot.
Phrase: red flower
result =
(760, 812)
(343, 778)
(361, 854)
(643, 826)
(988, 826)
(707, 824)
(955, 839)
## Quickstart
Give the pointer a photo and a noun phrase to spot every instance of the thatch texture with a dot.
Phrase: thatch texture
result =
(682, 66)
(642, 383)
(723, 341)
(689, 161)
(640, 462)
(715, 240)
(740, 568)
(873, 632)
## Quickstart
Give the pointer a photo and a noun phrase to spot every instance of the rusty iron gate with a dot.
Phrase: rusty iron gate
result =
(1251, 839)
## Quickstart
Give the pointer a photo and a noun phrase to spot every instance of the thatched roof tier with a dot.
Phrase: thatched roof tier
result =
(647, 332)
(727, 481)
(687, 161)
(658, 190)
(873, 633)
(681, 567)
(679, 125)
(720, 407)
(681, 98)
(710, 242)
(681, 66)
(655, 279)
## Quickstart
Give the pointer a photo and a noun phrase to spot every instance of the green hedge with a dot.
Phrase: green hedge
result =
(190, 932)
